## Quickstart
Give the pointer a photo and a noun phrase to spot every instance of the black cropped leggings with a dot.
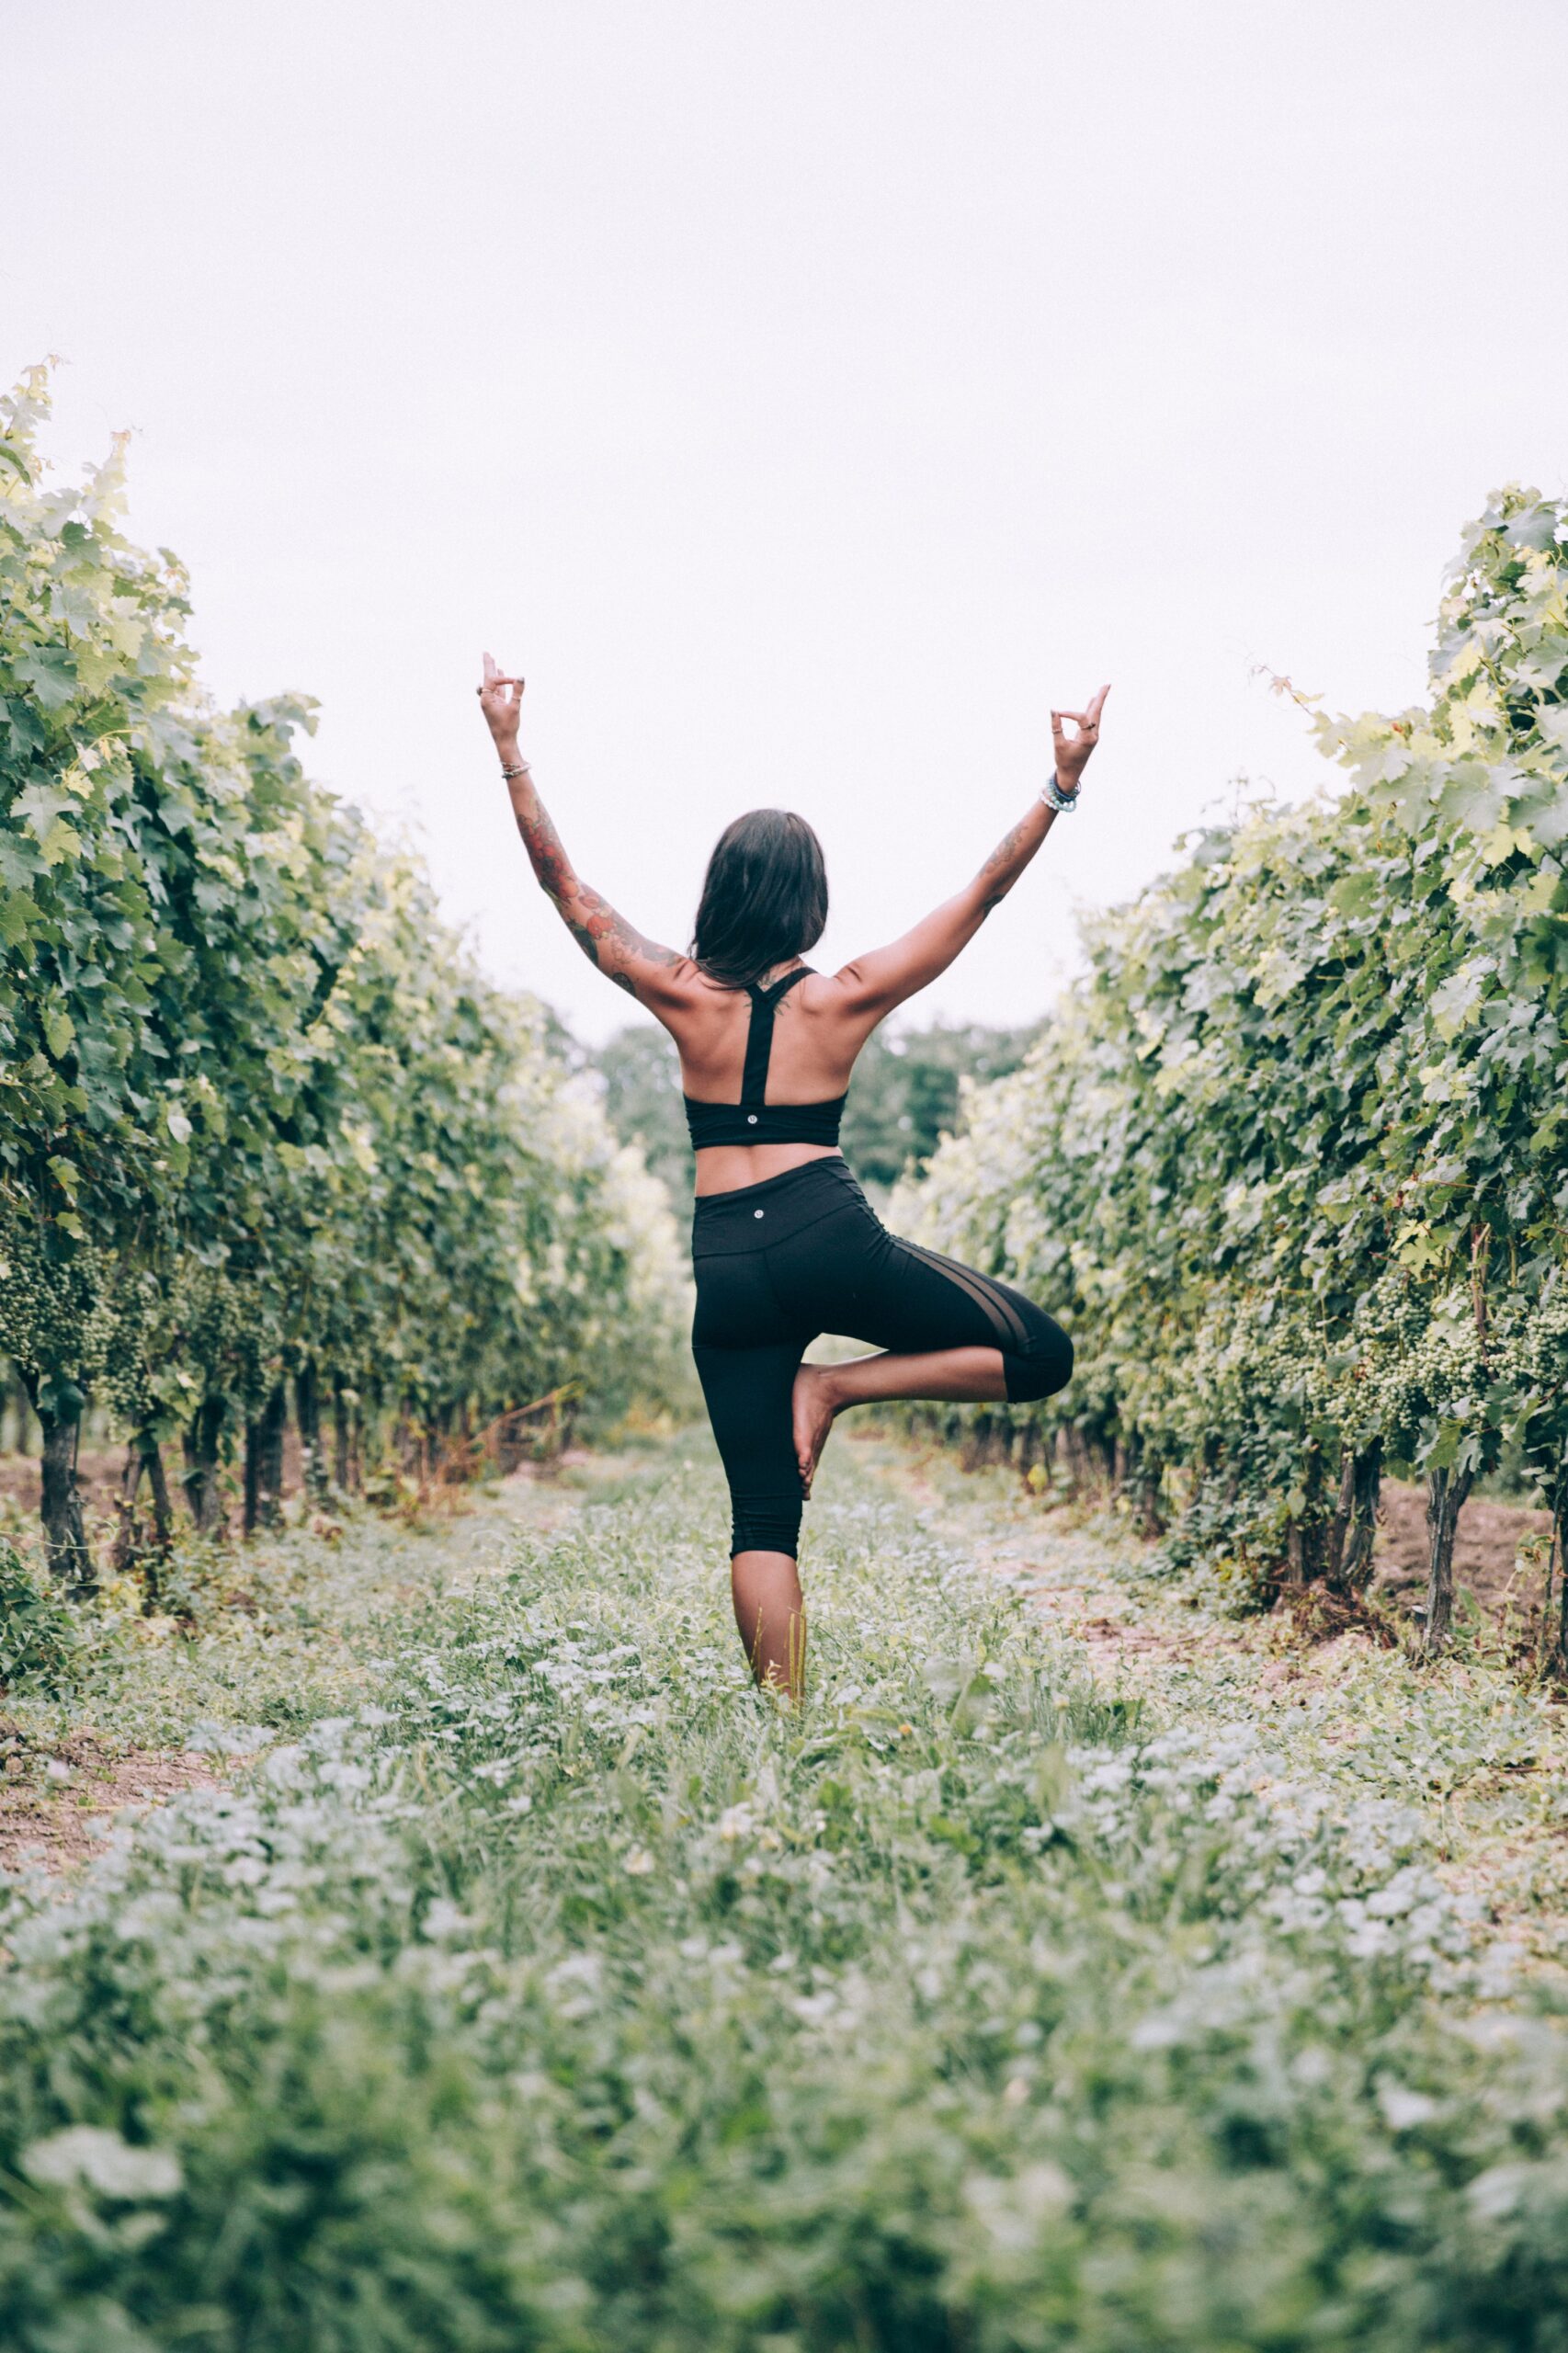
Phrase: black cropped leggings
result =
(805, 1253)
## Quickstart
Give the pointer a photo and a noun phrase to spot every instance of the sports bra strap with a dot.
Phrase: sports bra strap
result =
(759, 1037)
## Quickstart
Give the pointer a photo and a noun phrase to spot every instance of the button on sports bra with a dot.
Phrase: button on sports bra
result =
(752, 1120)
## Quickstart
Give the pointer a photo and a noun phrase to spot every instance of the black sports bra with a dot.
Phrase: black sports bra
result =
(752, 1120)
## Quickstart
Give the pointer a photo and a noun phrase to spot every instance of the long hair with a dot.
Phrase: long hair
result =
(764, 897)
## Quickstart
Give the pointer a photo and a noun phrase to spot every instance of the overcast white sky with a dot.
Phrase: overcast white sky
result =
(805, 396)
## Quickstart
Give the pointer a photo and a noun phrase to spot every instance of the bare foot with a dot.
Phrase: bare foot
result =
(815, 1408)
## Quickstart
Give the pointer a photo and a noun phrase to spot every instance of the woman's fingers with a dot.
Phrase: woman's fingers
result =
(1083, 720)
(498, 688)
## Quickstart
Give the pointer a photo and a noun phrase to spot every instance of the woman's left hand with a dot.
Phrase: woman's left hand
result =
(1072, 751)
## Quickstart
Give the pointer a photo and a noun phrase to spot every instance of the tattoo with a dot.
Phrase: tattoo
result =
(604, 938)
(1007, 850)
(1005, 863)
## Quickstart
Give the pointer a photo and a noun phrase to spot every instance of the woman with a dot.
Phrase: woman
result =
(785, 1243)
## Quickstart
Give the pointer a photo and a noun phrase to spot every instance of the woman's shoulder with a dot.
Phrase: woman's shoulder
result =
(684, 997)
(838, 1019)
(679, 982)
(828, 995)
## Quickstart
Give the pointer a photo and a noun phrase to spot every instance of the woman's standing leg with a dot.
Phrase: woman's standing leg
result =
(748, 1393)
(770, 1612)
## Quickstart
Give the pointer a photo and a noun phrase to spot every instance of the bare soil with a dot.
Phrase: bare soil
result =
(98, 1470)
(97, 1475)
(52, 1819)
(1499, 1551)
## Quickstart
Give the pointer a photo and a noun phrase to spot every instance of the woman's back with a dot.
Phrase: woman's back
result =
(814, 1043)
(774, 1058)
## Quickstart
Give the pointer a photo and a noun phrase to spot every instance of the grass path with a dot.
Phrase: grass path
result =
(270, 1634)
(1065, 1976)
(1484, 1760)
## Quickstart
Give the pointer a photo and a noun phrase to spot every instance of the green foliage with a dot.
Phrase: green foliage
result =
(563, 1993)
(907, 1087)
(258, 1113)
(641, 1071)
(1291, 1160)
(40, 1646)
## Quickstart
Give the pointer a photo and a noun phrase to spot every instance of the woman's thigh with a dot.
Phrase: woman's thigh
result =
(870, 1284)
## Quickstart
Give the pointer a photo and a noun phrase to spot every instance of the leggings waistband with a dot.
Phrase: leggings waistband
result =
(753, 1216)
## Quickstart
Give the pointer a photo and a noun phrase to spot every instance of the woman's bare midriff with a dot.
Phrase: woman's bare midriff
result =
(725, 1167)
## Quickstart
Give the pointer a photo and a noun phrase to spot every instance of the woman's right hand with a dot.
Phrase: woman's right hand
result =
(500, 698)
(1072, 752)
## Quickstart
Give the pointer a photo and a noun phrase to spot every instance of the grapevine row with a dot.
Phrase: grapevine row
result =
(1293, 1155)
(263, 1128)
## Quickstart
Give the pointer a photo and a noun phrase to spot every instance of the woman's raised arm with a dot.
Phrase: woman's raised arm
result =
(640, 966)
(873, 985)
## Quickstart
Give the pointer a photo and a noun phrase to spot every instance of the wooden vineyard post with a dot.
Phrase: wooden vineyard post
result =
(264, 1463)
(1309, 1540)
(344, 1450)
(158, 1484)
(122, 1552)
(252, 1482)
(307, 1413)
(142, 1458)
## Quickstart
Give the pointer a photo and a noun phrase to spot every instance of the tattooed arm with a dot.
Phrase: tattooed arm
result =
(873, 985)
(640, 966)
(604, 938)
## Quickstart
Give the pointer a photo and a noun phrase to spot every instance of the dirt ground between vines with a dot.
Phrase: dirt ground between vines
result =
(1487, 1552)
(98, 1470)
(84, 1789)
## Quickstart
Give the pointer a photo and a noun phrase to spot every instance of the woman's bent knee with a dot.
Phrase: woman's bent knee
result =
(1042, 1366)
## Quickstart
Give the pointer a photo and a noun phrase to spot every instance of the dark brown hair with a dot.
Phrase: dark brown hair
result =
(764, 897)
